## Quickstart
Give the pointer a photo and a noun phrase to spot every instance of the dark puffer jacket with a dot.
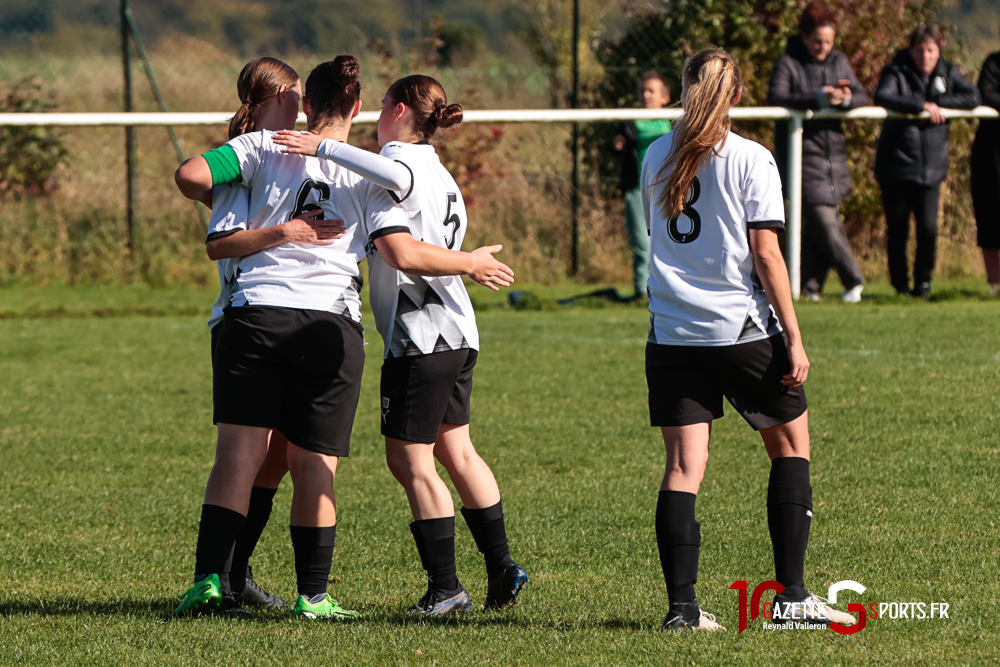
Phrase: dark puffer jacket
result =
(986, 159)
(916, 151)
(796, 81)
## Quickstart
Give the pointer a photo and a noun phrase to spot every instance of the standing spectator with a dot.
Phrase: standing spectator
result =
(631, 142)
(912, 155)
(813, 75)
(986, 173)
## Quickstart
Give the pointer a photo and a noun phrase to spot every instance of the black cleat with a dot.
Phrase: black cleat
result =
(441, 603)
(688, 617)
(922, 290)
(503, 591)
(230, 608)
(253, 595)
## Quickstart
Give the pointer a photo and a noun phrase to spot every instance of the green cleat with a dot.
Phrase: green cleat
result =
(203, 596)
(326, 609)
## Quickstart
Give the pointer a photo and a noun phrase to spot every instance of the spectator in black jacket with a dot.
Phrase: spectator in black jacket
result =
(986, 173)
(912, 155)
(813, 75)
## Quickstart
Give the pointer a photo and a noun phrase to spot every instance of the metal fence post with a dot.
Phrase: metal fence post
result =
(575, 201)
(131, 178)
(793, 234)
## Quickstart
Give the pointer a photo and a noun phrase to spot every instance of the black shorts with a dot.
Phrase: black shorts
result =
(297, 371)
(687, 383)
(422, 392)
(215, 342)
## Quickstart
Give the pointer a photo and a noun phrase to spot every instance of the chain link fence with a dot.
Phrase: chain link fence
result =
(70, 224)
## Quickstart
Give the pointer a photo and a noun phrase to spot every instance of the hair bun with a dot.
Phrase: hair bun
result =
(346, 70)
(448, 115)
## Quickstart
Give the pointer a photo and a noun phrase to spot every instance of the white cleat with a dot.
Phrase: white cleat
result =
(852, 295)
(706, 622)
(813, 609)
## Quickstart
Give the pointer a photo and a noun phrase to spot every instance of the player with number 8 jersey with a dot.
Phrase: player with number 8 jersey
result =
(426, 319)
(722, 325)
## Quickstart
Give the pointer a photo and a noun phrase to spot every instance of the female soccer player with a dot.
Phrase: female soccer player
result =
(290, 351)
(719, 302)
(431, 344)
(269, 92)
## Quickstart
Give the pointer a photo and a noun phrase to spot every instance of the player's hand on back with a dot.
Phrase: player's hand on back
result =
(298, 143)
(799, 370)
(307, 229)
(489, 272)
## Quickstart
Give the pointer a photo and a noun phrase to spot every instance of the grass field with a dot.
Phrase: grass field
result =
(106, 442)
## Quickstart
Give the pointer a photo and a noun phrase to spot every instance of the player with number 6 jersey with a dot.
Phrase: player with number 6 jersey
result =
(722, 325)
(431, 343)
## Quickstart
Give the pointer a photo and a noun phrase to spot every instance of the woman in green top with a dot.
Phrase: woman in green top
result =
(631, 142)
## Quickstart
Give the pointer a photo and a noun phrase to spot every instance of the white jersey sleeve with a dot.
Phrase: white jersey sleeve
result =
(763, 200)
(390, 174)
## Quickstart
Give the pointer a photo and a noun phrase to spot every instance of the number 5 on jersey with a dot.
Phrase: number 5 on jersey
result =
(673, 230)
(451, 219)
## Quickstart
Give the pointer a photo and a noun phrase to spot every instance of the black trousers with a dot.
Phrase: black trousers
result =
(900, 198)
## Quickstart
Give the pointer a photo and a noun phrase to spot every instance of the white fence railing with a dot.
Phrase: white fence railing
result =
(795, 126)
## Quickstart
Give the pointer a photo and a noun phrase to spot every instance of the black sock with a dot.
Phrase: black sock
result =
(678, 537)
(216, 536)
(313, 557)
(261, 501)
(488, 530)
(435, 540)
(789, 512)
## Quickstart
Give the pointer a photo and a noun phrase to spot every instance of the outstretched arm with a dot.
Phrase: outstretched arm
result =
(773, 276)
(404, 253)
(382, 171)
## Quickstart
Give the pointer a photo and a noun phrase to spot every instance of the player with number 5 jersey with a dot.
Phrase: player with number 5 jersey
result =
(431, 343)
(722, 325)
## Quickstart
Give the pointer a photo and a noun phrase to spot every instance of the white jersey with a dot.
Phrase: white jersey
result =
(230, 210)
(703, 289)
(298, 275)
(415, 314)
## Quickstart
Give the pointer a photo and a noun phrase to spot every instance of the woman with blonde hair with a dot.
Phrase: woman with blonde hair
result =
(722, 324)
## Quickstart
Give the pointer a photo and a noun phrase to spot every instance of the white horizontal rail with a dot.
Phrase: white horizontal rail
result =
(472, 116)
(795, 130)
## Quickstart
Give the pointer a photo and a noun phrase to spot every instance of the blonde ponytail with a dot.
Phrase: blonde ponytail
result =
(711, 84)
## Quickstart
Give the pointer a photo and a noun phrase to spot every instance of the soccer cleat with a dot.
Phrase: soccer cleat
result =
(504, 590)
(688, 617)
(203, 596)
(852, 295)
(922, 290)
(812, 609)
(325, 609)
(441, 603)
(229, 607)
(810, 296)
(255, 596)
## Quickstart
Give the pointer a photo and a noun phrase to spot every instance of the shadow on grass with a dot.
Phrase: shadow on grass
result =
(154, 609)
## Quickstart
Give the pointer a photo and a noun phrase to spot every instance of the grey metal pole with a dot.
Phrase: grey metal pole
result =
(131, 177)
(575, 266)
(793, 234)
(159, 99)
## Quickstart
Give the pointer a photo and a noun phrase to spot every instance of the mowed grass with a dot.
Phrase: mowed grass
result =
(106, 441)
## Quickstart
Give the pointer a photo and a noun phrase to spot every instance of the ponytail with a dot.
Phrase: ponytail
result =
(427, 99)
(711, 85)
(259, 81)
(333, 88)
